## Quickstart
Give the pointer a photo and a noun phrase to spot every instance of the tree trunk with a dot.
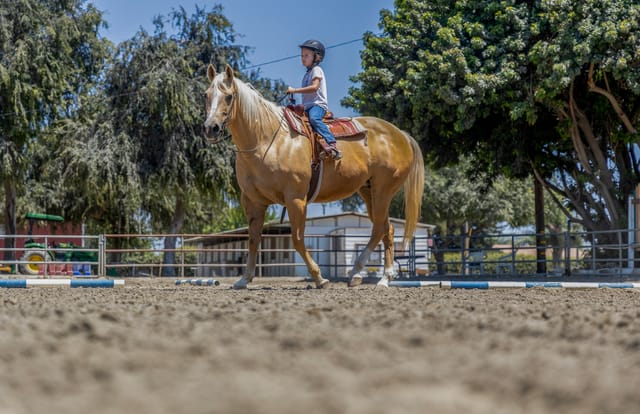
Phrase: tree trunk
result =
(557, 247)
(10, 196)
(541, 245)
(169, 257)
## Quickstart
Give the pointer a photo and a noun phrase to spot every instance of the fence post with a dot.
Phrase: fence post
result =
(412, 253)
(619, 250)
(463, 250)
(182, 256)
(102, 259)
(567, 249)
(259, 258)
(513, 255)
(594, 243)
(46, 257)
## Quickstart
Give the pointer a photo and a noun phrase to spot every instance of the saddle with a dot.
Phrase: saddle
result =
(340, 128)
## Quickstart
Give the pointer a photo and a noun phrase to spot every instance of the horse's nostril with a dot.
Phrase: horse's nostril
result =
(212, 130)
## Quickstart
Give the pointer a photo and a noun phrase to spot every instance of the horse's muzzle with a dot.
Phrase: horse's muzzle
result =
(212, 131)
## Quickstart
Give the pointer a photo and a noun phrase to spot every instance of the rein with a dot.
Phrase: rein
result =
(273, 138)
(236, 150)
(282, 119)
(241, 151)
(219, 140)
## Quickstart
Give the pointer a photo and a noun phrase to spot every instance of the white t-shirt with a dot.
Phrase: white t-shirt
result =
(318, 97)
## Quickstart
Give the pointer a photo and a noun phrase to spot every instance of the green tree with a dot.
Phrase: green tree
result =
(453, 201)
(148, 121)
(155, 87)
(50, 56)
(546, 87)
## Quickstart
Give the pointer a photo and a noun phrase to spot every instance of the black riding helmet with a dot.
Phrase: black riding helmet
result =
(314, 45)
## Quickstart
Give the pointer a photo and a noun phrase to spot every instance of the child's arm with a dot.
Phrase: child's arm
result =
(315, 85)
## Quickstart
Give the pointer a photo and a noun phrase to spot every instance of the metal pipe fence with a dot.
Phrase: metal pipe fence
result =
(49, 255)
(224, 254)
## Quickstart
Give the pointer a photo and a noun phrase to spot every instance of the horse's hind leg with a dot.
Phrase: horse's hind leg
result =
(297, 217)
(355, 278)
(387, 240)
(382, 229)
(255, 217)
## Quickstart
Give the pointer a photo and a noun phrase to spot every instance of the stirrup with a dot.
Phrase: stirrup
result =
(336, 154)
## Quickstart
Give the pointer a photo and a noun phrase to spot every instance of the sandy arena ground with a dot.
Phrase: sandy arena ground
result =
(282, 347)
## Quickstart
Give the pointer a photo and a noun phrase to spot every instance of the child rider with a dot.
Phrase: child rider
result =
(314, 92)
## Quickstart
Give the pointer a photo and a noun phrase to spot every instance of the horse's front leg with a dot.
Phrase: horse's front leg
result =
(255, 216)
(297, 217)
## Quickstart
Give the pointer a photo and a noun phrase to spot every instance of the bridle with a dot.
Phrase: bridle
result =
(223, 124)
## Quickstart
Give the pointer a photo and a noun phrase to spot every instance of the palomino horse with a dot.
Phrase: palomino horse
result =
(273, 166)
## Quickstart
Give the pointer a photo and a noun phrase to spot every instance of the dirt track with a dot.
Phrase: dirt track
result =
(282, 348)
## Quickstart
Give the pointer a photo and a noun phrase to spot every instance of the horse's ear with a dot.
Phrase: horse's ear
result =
(229, 73)
(211, 72)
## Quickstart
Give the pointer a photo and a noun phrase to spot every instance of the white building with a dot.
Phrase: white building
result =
(333, 240)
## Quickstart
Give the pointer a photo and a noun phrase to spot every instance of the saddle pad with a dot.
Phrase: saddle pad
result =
(344, 127)
(339, 127)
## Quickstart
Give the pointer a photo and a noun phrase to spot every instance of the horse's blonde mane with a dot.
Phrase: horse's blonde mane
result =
(261, 116)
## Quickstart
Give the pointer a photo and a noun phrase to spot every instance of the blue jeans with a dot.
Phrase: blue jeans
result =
(315, 118)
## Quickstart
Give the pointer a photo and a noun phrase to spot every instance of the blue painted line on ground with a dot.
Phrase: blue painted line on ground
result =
(454, 284)
(13, 283)
(466, 285)
(619, 285)
(543, 284)
(78, 283)
(74, 283)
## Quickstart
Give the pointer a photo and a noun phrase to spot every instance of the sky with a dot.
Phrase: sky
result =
(273, 29)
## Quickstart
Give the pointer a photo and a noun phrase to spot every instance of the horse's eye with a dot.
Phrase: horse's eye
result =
(227, 99)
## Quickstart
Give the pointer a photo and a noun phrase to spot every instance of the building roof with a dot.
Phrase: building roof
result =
(276, 227)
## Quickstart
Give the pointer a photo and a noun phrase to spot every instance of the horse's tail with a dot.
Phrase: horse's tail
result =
(413, 191)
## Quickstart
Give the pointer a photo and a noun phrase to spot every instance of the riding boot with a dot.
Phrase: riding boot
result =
(335, 152)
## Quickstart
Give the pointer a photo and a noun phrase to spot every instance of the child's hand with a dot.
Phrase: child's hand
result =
(291, 90)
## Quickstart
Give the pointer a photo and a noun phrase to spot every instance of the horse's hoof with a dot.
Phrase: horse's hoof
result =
(355, 281)
(384, 282)
(240, 284)
(324, 284)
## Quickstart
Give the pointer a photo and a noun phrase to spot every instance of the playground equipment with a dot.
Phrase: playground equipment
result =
(38, 253)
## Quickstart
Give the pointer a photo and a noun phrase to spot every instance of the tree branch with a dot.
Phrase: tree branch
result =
(612, 100)
(604, 178)
(575, 133)
(548, 187)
